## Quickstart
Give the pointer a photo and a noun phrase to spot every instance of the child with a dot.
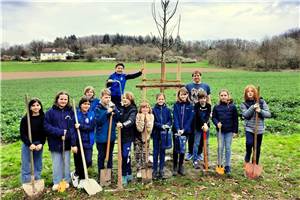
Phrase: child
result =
(162, 122)
(86, 127)
(59, 125)
(202, 114)
(89, 92)
(225, 117)
(117, 78)
(127, 124)
(102, 117)
(249, 109)
(38, 140)
(183, 114)
(145, 113)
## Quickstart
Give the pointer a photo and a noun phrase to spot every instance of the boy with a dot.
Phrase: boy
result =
(117, 81)
(202, 114)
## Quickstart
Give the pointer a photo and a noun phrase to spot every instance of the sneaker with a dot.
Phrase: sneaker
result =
(80, 185)
(200, 157)
(227, 170)
(162, 174)
(196, 164)
(129, 178)
(175, 171)
(124, 180)
(181, 171)
(75, 179)
(155, 175)
(139, 174)
(188, 156)
(55, 187)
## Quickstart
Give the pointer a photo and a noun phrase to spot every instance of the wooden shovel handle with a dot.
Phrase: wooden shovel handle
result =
(205, 150)
(256, 128)
(108, 137)
(120, 186)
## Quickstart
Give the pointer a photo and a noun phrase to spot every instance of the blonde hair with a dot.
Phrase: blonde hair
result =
(184, 91)
(105, 91)
(247, 88)
(230, 100)
(57, 97)
(129, 96)
(89, 88)
(160, 94)
(143, 104)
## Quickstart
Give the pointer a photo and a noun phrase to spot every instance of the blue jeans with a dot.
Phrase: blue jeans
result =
(37, 162)
(197, 139)
(126, 160)
(158, 152)
(57, 166)
(226, 139)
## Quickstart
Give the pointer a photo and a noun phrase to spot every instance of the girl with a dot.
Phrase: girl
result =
(162, 122)
(89, 92)
(86, 127)
(145, 113)
(225, 117)
(128, 113)
(59, 125)
(183, 113)
(38, 140)
(249, 109)
(102, 117)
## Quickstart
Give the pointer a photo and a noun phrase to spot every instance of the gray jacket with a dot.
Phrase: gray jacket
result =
(249, 115)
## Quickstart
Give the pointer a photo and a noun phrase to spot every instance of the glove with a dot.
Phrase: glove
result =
(180, 132)
(165, 126)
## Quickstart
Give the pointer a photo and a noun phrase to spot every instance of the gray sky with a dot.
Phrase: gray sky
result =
(24, 21)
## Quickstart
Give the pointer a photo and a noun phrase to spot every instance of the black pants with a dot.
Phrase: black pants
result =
(102, 153)
(177, 155)
(78, 161)
(249, 146)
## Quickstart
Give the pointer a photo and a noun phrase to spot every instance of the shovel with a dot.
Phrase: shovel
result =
(253, 170)
(205, 152)
(105, 174)
(34, 188)
(62, 186)
(146, 172)
(120, 185)
(219, 168)
(90, 185)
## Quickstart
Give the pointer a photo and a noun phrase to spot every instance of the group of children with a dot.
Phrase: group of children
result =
(138, 124)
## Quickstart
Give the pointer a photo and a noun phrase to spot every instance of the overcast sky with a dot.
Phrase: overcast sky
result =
(24, 21)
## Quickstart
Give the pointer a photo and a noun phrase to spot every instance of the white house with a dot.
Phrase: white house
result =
(55, 54)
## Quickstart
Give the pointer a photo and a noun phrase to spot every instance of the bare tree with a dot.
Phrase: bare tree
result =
(162, 19)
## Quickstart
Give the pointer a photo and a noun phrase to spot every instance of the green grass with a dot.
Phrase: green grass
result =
(280, 89)
(280, 178)
(77, 66)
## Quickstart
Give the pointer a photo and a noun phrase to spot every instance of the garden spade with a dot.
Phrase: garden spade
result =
(253, 170)
(205, 151)
(34, 188)
(90, 185)
(105, 174)
(147, 171)
(219, 168)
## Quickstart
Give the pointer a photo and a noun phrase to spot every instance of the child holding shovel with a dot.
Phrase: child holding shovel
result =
(86, 127)
(38, 140)
(162, 124)
(103, 114)
(183, 114)
(61, 135)
(249, 109)
(127, 124)
(225, 118)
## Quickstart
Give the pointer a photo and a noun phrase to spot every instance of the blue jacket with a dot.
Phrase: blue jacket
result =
(102, 124)
(56, 121)
(127, 118)
(86, 128)
(94, 103)
(183, 114)
(162, 116)
(115, 87)
(226, 114)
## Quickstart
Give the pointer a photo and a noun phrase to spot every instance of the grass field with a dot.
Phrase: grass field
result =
(77, 66)
(280, 150)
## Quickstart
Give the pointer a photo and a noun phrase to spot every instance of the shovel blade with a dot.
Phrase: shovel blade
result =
(253, 171)
(105, 177)
(220, 170)
(35, 191)
(91, 186)
(146, 174)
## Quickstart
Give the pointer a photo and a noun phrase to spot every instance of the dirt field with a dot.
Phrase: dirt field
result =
(33, 75)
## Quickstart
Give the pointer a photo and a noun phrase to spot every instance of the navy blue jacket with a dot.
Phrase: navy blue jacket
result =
(202, 115)
(102, 124)
(127, 118)
(56, 121)
(94, 103)
(115, 87)
(183, 114)
(226, 114)
(86, 121)
(162, 116)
